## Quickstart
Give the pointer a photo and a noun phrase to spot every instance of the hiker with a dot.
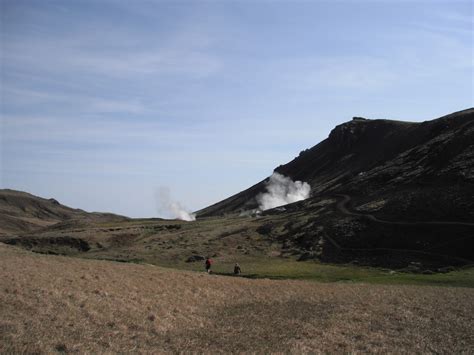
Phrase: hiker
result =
(208, 265)
(237, 270)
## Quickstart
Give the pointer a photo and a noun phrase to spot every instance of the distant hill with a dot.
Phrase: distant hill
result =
(21, 212)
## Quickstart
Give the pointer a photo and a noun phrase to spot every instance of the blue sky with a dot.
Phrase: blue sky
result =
(105, 102)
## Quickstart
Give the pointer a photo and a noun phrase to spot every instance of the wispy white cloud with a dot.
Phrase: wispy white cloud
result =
(116, 56)
(428, 53)
(81, 130)
(457, 18)
(346, 72)
(414, 54)
(81, 103)
(156, 133)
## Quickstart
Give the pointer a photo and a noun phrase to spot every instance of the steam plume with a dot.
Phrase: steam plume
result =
(173, 208)
(281, 190)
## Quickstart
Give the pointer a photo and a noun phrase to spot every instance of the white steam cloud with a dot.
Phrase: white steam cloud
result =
(281, 190)
(173, 208)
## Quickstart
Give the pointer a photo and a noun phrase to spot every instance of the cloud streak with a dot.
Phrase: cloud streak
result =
(113, 56)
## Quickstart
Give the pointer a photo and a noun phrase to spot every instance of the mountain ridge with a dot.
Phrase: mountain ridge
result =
(354, 149)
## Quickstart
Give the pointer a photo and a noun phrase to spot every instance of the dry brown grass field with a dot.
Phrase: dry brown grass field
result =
(61, 304)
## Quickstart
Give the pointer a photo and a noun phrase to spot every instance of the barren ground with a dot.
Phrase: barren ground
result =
(54, 303)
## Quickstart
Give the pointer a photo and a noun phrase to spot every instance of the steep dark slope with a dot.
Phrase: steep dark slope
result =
(371, 156)
(22, 212)
(386, 193)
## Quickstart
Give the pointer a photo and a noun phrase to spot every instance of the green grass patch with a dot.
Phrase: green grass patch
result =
(275, 268)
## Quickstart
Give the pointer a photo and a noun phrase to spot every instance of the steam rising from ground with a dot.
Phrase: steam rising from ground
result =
(173, 208)
(281, 190)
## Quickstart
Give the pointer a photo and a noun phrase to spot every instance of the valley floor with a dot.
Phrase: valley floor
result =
(54, 303)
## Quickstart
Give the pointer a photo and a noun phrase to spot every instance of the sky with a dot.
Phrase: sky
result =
(103, 103)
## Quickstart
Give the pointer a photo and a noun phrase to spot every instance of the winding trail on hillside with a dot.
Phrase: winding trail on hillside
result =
(342, 207)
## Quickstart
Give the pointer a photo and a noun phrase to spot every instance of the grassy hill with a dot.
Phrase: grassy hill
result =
(61, 304)
(22, 212)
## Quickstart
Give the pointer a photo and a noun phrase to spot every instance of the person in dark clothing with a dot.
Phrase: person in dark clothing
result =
(237, 269)
(208, 265)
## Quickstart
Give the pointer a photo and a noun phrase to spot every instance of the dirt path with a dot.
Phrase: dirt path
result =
(405, 251)
(342, 207)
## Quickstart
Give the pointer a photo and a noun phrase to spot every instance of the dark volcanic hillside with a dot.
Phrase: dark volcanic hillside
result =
(383, 193)
(21, 212)
(372, 157)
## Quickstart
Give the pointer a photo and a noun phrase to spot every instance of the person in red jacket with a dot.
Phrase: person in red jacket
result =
(208, 265)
